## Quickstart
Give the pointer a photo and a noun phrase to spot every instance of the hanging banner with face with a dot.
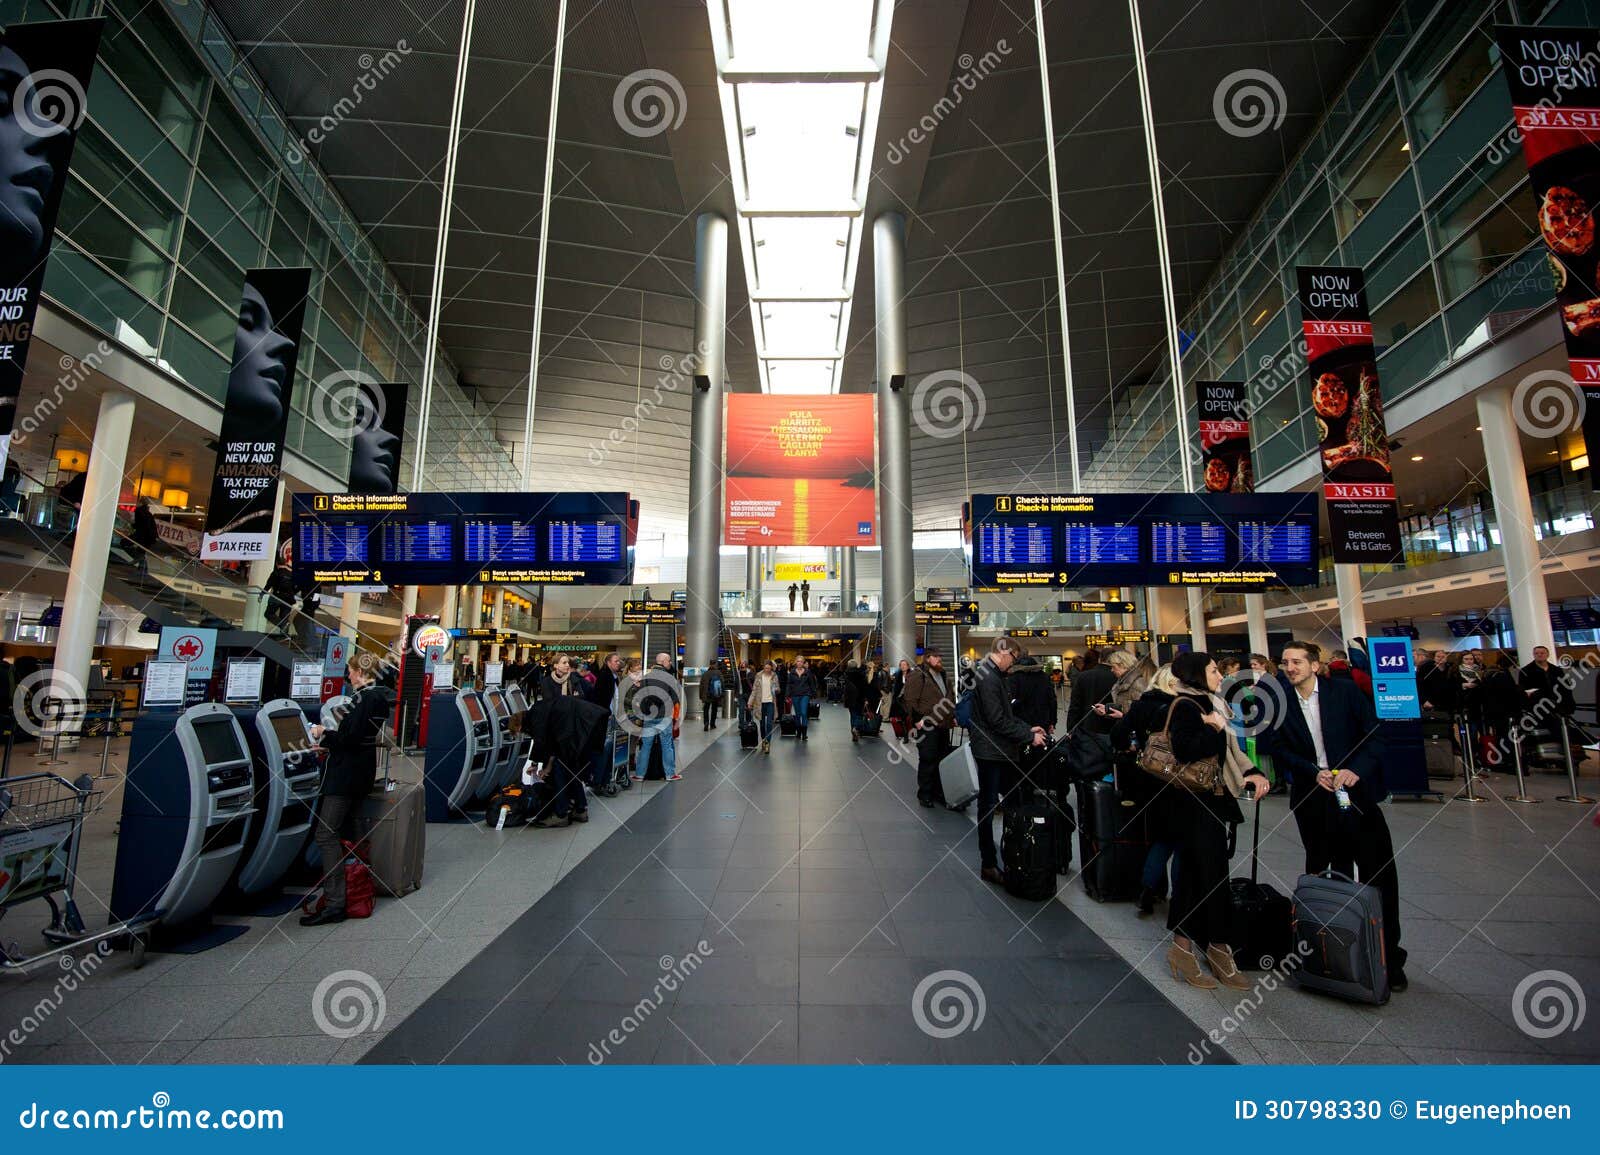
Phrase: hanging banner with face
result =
(241, 523)
(375, 414)
(44, 81)
(1363, 518)
(1554, 74)
(800, 470)
(1225, 438)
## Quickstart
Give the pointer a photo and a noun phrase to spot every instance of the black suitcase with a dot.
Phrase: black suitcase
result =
(1263, 919)
(813, 709)
(749, 736)
(1341, 923)
(788, 725)
(1111, 842)
(870, 726)
(1028, 849)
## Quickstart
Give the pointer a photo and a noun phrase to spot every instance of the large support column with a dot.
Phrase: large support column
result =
(894, 440)
(1352, 614)
(704, 576)
(499, 620)
(447, 609)
(1513, 513)
(255, 599)
(350, 617)
(1197, 618)
(1255, 612)
(752, 579)
(847, 580)
(80, 610)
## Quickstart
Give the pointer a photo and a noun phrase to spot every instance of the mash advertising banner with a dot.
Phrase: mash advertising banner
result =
(1357, 482)
(44, 81)
(241, 521)
(378, 416)
(800, 470)
(1225, 438)
(1554, 74)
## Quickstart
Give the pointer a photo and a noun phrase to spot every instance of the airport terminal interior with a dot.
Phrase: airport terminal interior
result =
(687, 531)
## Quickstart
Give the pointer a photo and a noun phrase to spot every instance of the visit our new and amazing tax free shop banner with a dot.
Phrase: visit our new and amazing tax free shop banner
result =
(1225, 438)
(1554, 74)
(1357, 482)
(241, 517)
(44, 79)
(800, 470)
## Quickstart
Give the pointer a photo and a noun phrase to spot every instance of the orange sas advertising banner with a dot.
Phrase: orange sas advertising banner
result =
(800, 470)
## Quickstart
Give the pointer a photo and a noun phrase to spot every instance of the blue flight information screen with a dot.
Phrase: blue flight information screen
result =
(331, 543)
(1188, 543)
(503, 542)
(581, 542)
(430, 540)
(1111, 543)
(1268, 544)
(1016, 543)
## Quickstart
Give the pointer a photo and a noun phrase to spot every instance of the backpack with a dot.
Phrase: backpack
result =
(716, 686)
(964, 707)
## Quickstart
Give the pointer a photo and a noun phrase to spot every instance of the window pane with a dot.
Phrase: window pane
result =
(203, 313)
(1476, 193)
(239, 189)
(212, 267)
(96, 161)
(82, 286)
(126, 123)
(1408, 309)
(196, 362)
(167, 99)
(208, 210)
(1498, 237)
(1452, 89)
(1379, 166)
(112, 241)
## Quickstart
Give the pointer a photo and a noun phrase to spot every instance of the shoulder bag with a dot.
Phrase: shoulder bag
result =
(1203, 776)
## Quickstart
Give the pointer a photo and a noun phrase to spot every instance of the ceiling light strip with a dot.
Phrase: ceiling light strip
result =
(1055, 223)
(544, 245)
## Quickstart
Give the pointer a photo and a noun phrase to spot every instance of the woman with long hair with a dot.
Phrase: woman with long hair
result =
(1199, 914)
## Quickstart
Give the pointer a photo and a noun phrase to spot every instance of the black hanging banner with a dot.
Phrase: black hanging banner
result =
(44, 81)
(1357, 482)
(1225, 438)
(1554, 74)
(378, 422)
(241, 522)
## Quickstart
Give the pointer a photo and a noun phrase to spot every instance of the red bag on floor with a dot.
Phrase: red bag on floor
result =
(359, 892)
(900, 729)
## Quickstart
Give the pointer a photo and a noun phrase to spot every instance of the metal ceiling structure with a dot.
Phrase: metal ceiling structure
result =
(641, 151)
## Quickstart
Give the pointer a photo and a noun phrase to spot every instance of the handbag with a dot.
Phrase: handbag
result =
(1202, 776)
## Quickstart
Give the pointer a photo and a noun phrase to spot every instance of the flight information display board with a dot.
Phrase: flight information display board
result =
(464, 538)
(1246, 541)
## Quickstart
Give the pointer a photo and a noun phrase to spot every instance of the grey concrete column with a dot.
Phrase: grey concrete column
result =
(255, 599)
(1255, 613)
(499, 620)
(1513, 514)
(1352, 612)
(752, 578)
(847, 580)
(1197, 618)
(894, 440)
(86, 579)
(704, 578)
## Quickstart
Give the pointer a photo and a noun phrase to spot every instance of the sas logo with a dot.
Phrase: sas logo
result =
(430, 636)
(863, 529)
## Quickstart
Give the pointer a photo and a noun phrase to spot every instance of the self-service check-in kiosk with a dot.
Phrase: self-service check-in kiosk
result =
(518, 703)
(460, 747)
(186, 814)
(287, 780)
(503, 743)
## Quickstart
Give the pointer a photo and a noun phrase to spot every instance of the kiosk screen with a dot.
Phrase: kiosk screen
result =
(290, 730)
(218, 742)
(474, 707)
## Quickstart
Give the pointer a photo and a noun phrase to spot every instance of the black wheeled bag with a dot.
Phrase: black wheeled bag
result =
(789, 725)
(749, 735)
(1262, 918)
(1341, 924)
(870, 727)
(1112, 845)
(1028, 849)
(813, 709)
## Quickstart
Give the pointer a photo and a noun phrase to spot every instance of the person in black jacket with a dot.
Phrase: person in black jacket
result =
(1438, 684)
(802, 688)
(351, 771)
(1091, 688)
(566, 731)
(998, 740)
(1198, 824)
(1032, 695)
(1328, 741)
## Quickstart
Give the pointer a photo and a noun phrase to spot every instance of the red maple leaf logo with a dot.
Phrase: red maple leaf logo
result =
(187, 648)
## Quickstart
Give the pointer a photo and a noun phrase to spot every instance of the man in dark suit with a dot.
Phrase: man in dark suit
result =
(1090, 688)
(1327, 740)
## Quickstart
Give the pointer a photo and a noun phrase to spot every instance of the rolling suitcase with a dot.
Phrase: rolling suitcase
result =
(788, 725)
(1263, 919)
(749, 735)
(1028, 849)
(1111, 842)
(1341, 924)
(389, 828)
(958, 777)
(1438, 745)
(813, 709)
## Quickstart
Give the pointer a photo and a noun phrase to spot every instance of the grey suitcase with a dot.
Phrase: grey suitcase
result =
(1338, 931)
(1440, 757)
(390, 825)
(958, 777)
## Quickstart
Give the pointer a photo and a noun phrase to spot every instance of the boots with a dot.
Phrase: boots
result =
(1185, 966)
(1220, 957)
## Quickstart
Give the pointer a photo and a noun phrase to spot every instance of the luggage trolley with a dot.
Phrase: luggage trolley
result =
(41, 821)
